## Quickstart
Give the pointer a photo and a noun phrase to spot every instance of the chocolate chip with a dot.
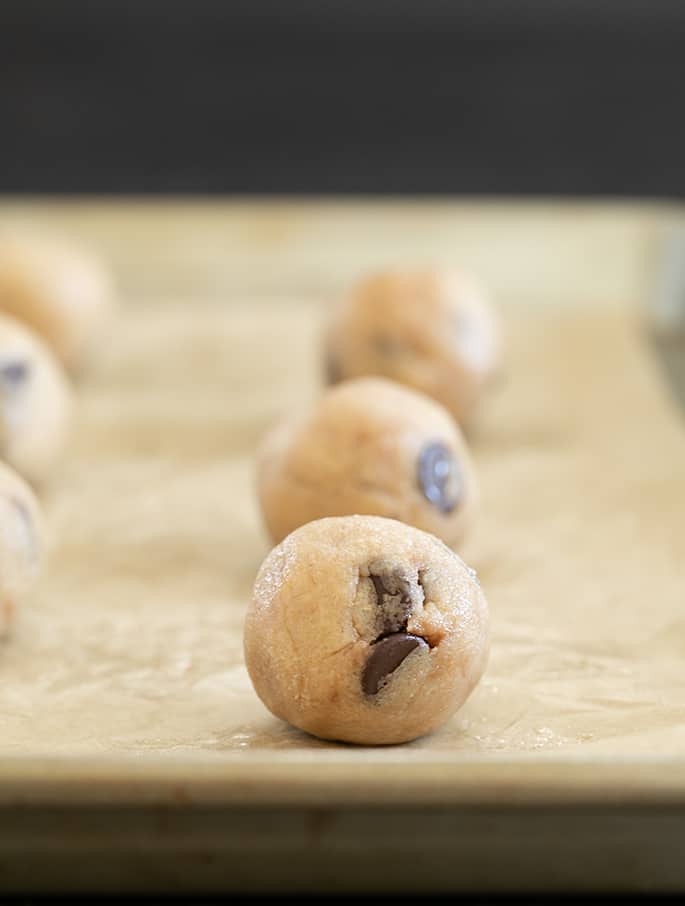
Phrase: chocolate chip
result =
(386, 656)
(333, 371)
(385, 345)
(14, 373)
(393, 596)
(439, 477)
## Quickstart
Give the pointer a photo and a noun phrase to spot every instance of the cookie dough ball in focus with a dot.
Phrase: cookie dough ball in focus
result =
(368, 446)
(35, 403)
(432, 330)
(21, 543)
(365, 630)
(60, 290)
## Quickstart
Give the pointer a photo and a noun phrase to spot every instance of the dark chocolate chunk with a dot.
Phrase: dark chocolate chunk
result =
(333, 371)
(439, 476)
(393, 594)
(386, 656)
(386, 345)
(14, 373)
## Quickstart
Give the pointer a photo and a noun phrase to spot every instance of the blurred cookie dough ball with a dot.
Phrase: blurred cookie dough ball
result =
(368, 446)
(21, 543)
(365, 630)
(35, 403)
(432, 330)
(59, 289)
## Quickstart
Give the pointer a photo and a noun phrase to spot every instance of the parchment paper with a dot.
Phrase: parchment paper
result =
(132, 642)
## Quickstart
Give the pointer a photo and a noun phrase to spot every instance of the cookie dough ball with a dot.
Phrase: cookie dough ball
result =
(21, 543)
(368, 446)
(35, 403)
(432, 330)
(60, 290)
(365, 630)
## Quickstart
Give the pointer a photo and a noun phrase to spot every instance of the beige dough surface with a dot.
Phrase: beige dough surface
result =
(35, 403)
(132, 643)
(59, 288)
(22, 544)
(368, 446)
(334, 606)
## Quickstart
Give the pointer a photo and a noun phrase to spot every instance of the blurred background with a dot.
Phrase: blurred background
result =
(343, 96)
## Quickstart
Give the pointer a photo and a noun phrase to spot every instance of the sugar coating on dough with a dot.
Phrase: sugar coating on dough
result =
(60, 289)
(35, 403)
(433, 330)
(317, 619)
(368, 446)
(21, 543)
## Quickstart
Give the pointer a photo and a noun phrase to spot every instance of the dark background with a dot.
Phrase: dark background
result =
(326, 96)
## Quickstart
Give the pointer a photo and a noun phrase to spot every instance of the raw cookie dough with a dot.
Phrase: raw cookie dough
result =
(60, 290)
(35, 402)
(365, 630)
(368, 446)
(432, 330)
(21, 543)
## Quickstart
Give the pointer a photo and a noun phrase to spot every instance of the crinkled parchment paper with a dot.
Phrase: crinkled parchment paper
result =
(132, 643)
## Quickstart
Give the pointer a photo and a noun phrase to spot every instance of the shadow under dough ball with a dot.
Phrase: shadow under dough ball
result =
(21, 543)
(373, 447)
(365, 630)
(432, 330)
(35, 403)
(59, 289)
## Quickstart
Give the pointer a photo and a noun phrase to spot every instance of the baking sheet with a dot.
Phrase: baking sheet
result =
(132, 644)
